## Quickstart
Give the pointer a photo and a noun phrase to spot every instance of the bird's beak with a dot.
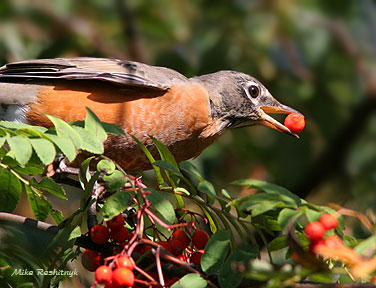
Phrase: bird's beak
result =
(279, 108)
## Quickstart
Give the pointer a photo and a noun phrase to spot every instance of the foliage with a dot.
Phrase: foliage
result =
(270, 220)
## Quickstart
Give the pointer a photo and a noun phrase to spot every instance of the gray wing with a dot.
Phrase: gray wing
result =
(127, 73)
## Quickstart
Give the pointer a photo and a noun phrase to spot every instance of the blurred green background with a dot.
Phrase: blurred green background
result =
(317, 56)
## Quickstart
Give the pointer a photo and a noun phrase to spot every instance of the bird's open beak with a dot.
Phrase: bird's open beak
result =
(268, 121)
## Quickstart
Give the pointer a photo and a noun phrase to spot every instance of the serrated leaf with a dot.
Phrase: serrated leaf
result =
(215, 252)
(65, 144)
(50, 186)
(10, 191)
(94, 125)
(227, 276)
(44, 149)
(21, 148)
(63, 129)
(115, 204)
(14, 125)
(162, 205)
(192, 280)
(89, 141)
(39, 204)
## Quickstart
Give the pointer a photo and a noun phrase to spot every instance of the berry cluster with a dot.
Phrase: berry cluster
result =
(185, 249)
(316, 230)
(117, 270)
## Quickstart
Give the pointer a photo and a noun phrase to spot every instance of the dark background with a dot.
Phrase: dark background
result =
(317, 56)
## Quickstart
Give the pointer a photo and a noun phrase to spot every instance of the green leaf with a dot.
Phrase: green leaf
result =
(312, 214)
(189, 168)
(151, 159)
(63, 129)
(261, 202)
(166, 155)
(76, 232)
(10, 191)
(207, 188)
(65, 144)
(14, 125)
(162, 205)
(29, 169)
(39, 204)
(50, 186)
(21, 148)
(215, 252)
(192, 280)
(366, 245)
(213, 222)
(268, 188)
(278, 243)
(113, 129)
(2, 141)
(57, 216)
(115, 204)
(286, 215)
(94, 125)
(115, 181)
(89, 141)
(106, 165)
(44, 149)
(167, 166)
(227, 276)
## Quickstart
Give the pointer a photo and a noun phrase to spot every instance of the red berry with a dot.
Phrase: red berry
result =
(200, 238)
(177, 247)
(295, 122)
(122, 277)
(196, 258)
(314, 230)
(99, 234)
(124, 261)
(180, 235)
(314, 244)
(91, 260)
(120, 235)
(166, 245)
(103, 274)
(329, 221)
(116, 223)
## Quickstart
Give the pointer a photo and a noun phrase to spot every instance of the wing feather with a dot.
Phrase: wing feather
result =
(127, 73)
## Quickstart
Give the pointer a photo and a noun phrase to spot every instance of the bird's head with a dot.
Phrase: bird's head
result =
(242, 100)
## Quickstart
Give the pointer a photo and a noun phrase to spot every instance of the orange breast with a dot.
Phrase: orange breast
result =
(176, 117)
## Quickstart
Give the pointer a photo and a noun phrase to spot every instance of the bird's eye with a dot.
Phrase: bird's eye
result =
(254, 91)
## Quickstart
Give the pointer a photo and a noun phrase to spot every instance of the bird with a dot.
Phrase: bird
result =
(186, 114)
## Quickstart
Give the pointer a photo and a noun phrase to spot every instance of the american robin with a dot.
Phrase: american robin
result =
(185, 114)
